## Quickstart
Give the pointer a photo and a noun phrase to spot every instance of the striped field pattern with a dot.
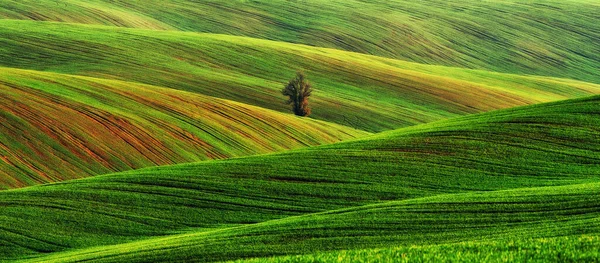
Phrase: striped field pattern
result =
(505, 216)
(441, 131)
(364, 92)
(73, 121)
(247, 207)
(551, 38)
(57, 127)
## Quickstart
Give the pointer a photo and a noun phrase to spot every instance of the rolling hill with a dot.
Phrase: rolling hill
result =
(358, 92)
(361, 91)
(202, 206)
(55, 127)
(550, 38)
(513, 215)
(441, 131)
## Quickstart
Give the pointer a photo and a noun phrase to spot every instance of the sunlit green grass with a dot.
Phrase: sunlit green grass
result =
(552, 38)
(563, 249)
(351, 89)
(544, 145)
(502, 217)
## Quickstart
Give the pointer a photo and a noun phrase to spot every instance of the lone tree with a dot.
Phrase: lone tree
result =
(298, 90)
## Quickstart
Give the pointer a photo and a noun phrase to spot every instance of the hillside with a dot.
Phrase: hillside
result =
(543, 145)
(502, 215)
(550, 38)
(360, 91)
(55, 127)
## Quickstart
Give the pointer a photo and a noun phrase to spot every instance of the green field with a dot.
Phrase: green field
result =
(101, 126)
(568, 248)
(365, 92)
(524, 147)
(372, 95)
(441, 131)
(551, 38)
(493, 216)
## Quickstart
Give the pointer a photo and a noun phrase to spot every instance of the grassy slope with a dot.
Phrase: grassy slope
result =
(361, 91)
(579, 248)
(554, 38)
(56, 127)
(544, 145)
(501, 215)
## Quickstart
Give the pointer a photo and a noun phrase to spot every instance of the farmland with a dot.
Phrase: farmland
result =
(244, 194)
(156, 131)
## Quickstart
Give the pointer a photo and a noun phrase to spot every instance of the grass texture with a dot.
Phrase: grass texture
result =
(361, 91)
(551, 38)
(578, 248)
(56, 127)
(282, 203)
(508, 216)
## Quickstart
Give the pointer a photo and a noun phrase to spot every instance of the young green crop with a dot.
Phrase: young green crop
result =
(564, 249)
(504, 216)
(512, 185)
(543, 145)
(364, 92)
